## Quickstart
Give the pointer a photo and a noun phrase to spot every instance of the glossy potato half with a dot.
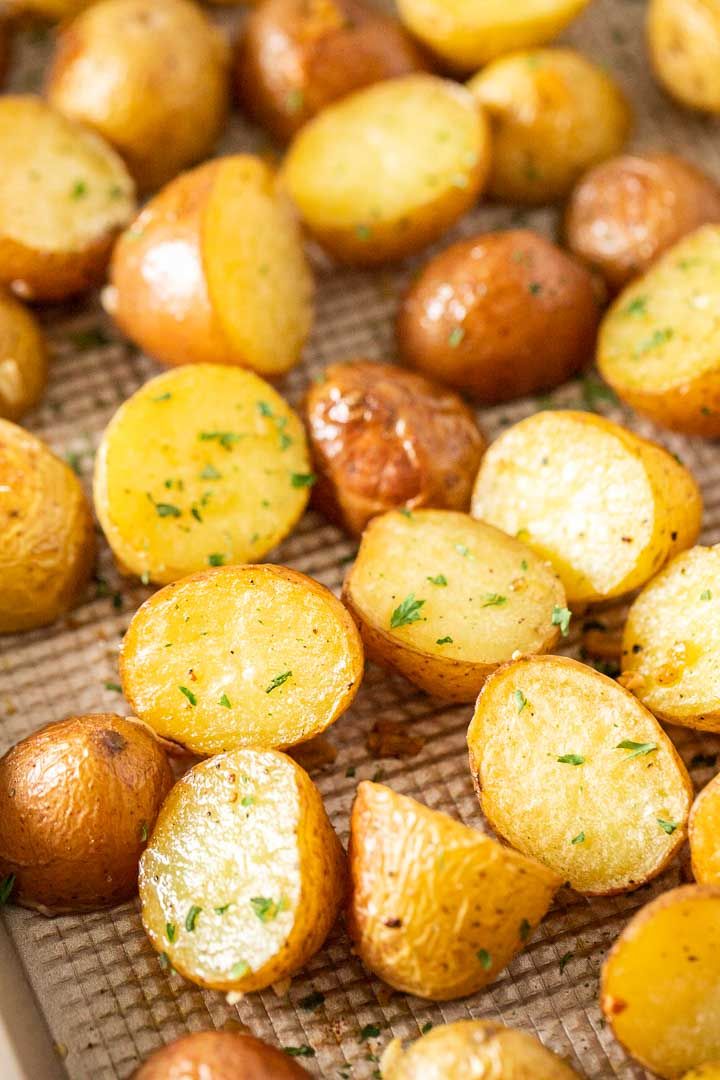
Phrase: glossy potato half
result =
(704, 834)
(23, 359)
(219, 1055)
(684, 42)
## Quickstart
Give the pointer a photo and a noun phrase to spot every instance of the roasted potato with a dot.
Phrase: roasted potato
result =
(444, 599)
(627, 211)
(553, 114)
(571, 769)
(46, 9)
(684, 42)
(295, 57)
(606, 507)
(65, 195)
(382, 437)
(704, 834)
(709, 1071)
(386, 170)
(660, 988)
(473, 1050)
(202, 466)
(151, 76)
(500, 315)
(243, 875)
(659, 344)
(436, 909)
(47, 541)
(219, 1055)
(669, 651)
(23, 359)
(186, 295)
(77, 802)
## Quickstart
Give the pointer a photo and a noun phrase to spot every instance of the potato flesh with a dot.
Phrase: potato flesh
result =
(705, 835)
(684, 39)
(538, 710)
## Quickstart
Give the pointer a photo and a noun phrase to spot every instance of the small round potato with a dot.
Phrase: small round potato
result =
(553, 114)
(220, 1055)
(684, 40)
(627, 211)
(704, 834)
(47, 540)
(499, 316)
(386, 170)
(78, 800)
(382, 437)
(473, 1050)
(23, 359)
(150, 76)
(297, 56)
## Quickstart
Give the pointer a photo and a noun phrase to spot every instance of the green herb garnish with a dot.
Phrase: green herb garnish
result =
(191, 918)
(225, 702)
(278, 681)
(6, 887)
(227, 439)
(170, 931)
(561, 617)
(407, 612)
(579, 839)
(667, 826)
(638, 749)
(439, 579)
(455, 336)
(444, 640)
(485, 959)
(267, 909)
(302, 480)
(520, 700)
(571, 759)
(188, 694)
(494, 600)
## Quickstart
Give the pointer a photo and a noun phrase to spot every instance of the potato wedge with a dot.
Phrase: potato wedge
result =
(436, 909)
(241, 656)
(204, 465)
(684, 44)
(607, 515)
(386, 170)
(660, 988)
(243, 875)
(444, 599)
(23, 359)
(220, 1055)
(571, 769)
(65, 196)
(704, 833)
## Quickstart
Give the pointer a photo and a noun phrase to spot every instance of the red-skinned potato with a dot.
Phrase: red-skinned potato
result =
(219, 1055)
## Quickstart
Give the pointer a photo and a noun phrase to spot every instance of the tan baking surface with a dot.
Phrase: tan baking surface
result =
(100, 987)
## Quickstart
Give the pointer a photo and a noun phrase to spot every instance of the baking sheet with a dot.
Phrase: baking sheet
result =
(97, 983)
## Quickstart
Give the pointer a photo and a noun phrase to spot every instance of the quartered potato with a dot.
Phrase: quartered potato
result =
(606, 507)
(661, 982)
(220, 1055)
(553, 114)
(47, 541)
(202, 466)
(436, 909)
(243, 875)
(705, 834)
(65, 195)
(670, 643)
(241, 656)
(23, 359)
(444, 599)
(684, 43)
(659, 344)
(386, 170)
(571, 769)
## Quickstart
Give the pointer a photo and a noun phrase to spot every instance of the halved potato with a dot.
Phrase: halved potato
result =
(220, 1055)
(204, 465)
(573, 770)
(670, 643)
(243, 875)
(386, 170)
(684, 43)
(436, 909)
(709, 1071)
(241, 656)
(23, 359)
(444, 599)
(65, 195)
(704, 834)
(605, 506)
(660, 987)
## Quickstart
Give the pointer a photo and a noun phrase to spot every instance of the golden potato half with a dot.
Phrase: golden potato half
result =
(436, 909)
(220, 1055)
(660, 988)
(23, 359)
(204, 465)
(444, 599)
(606, 507)
(705, 834)
(684, 41)
(243, 875)
(77, 802)
(709, 1071)
(386, 170)
(571, 769)
(241, 656)
(65, 195)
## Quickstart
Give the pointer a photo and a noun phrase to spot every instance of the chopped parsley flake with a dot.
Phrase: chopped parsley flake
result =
(525, 929)
(564, 961)
(299, 1051)
(485, 959)
(191, 918)
(667, 826)
(79, 190)
(579, 839)
(520, 700)
(427, 1026)
(247, 800)
(656, 339)
(638, 306)
(221, 910)
(167, 509)
(225, 702)
(561, 617)
(370, 1031)
(267, 909)
(239, 969)
(6, 887)
(571, 759)
(455, 336)
(170, 931)
(188, 694)
(444, 640)
(278, 681)
(115, 687)
(706, 594)
(227, 439)
(363, 232)
(162, 397)
(210, 473)
(439, 579)
(407, 612)
(216, 558)
(494, 600)
(638, 749)
(302, 480)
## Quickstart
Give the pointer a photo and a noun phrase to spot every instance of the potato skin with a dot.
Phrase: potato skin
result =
(23, 359)
(383, 437)
(4, 50)
(500, 315)
(78, 800)
(704, 834)
(219, 1055)
(684, 43)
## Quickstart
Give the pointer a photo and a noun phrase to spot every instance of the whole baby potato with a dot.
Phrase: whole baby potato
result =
(78, 800)
(500, 315)
(23, 359)
(219, 1055)
(684, 41)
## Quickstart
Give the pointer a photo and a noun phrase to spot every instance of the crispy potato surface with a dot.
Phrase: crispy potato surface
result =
(436, 909)
(243, 875)
(684, 43)
(444, 599)
(204, 465)
(219, 1055)
(571, 769)
(383, 437)
(660, 988)
(553, 114)
(500, 315)
(23, 359)
(705, 834)
(386, 170)
(565, 503)
(241, 656)
(77, 802)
